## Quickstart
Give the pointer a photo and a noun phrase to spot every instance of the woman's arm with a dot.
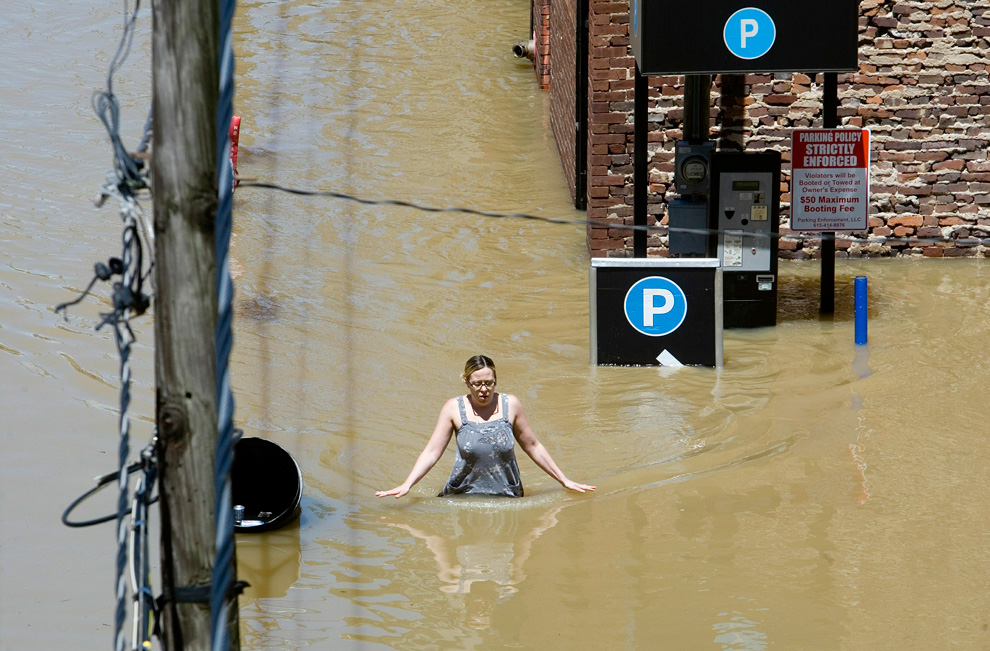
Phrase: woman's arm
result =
(535, 450)
(432, 452)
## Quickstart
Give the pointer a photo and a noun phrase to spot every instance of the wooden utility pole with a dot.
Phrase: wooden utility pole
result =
(185, 46)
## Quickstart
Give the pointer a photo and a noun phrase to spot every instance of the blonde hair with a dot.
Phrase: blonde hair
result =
(477, 363)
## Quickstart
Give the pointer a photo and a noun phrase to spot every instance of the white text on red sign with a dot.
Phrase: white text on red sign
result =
(830, 179)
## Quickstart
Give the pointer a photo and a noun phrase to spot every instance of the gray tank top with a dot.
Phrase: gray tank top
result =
(486, 462)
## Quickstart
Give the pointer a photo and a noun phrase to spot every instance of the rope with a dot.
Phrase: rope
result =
(223, 565)
(599, 223)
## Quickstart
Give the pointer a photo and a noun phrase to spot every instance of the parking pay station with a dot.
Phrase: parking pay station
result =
(744, 209)
(656, 312)
(723, 227)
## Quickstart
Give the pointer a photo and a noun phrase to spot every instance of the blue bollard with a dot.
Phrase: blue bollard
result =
(860, 310)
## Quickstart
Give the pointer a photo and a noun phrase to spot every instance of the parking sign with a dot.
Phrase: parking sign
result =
(830, 179)
(656, 311)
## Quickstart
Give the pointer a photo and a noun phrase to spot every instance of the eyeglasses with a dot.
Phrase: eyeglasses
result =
(477, 384)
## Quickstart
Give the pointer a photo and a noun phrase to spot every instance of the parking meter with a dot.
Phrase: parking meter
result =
(744, 210)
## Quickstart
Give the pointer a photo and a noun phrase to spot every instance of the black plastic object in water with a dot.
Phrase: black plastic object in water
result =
(266, 481)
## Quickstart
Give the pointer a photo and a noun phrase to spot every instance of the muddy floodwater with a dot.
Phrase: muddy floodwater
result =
(811, 494)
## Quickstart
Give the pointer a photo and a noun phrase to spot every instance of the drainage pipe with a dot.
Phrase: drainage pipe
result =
(697, 108)
(524, 50)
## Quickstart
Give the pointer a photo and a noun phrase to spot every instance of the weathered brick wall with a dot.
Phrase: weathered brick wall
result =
(541, 42)
(923, 89)
(610, 103)
(924, 92)
(563, 95)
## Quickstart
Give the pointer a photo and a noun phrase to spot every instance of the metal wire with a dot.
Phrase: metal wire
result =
(107, 108)
(223, 565)
(599, 223)
(123, 338)
(128, 299)
(143, 607)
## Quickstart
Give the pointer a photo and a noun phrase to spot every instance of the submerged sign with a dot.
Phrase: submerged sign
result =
(726, 36)
(830, 179)
(656, 311)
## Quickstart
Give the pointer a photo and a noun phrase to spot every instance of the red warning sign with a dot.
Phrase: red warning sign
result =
(830, 179)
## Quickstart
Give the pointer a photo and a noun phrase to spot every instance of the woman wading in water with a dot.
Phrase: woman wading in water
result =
(486, 423)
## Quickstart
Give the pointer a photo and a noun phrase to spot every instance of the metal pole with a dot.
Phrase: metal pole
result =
(830, 120)
(641, 178)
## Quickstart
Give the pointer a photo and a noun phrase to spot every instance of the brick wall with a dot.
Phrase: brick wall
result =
(563, 95)
(541, 42)
(923, 89)
(610, 127)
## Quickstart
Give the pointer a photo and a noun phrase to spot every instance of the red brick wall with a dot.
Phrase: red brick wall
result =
(563, 96)
(541, 42)
(610, 126)
(923, 89)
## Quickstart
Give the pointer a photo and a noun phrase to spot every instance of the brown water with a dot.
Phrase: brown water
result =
(809, 495)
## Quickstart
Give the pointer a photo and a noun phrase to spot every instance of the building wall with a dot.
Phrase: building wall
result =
(563, 86)
(923, 89)
(610, 126)
(541, 42)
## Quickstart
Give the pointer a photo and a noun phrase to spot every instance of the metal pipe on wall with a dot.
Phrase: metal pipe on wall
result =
(641, 174)
(697, 107)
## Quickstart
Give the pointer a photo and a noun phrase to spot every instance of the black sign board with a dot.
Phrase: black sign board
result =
(726, 36)
(656, 312)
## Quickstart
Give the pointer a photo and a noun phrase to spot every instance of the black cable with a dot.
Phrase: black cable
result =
(63, 307)
(101, 482)
(107, 109)
(101, 272)
(882, 240)
(424, 208)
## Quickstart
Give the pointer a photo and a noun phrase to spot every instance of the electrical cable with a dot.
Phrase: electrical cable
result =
(107, 108)
(872, 239)
(101, 483)
(128, 299)
(224, 571)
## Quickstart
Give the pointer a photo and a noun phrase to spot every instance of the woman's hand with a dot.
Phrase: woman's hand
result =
(446, 425)
(398, 491)
(576, 487)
